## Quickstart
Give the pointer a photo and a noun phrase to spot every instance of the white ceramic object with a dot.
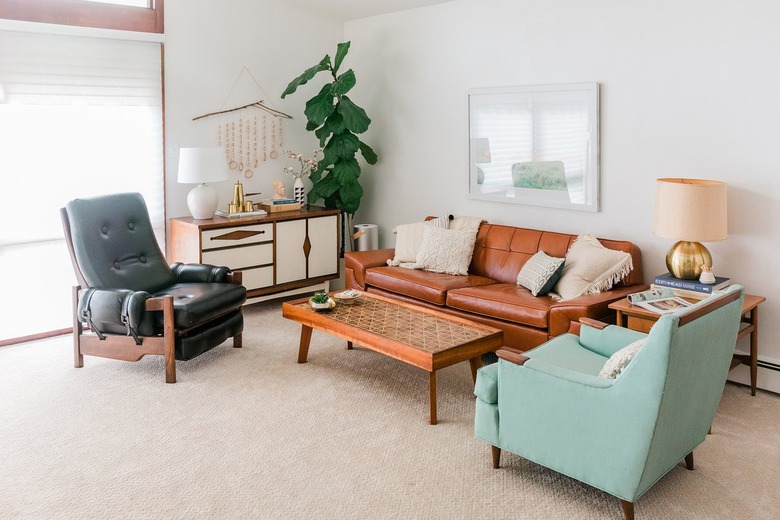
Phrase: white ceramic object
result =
(347, 297)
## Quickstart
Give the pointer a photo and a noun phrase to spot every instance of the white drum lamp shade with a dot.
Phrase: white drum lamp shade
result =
(199, 166)
(690, 211)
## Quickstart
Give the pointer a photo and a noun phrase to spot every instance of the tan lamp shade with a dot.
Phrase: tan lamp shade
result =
(690, 211)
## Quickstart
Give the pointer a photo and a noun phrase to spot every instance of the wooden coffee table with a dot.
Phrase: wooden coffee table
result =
(418, 336)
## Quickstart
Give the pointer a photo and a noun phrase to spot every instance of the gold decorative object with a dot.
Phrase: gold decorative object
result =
(690, 211)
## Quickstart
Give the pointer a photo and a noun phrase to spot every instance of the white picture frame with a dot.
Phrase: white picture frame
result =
(535, 145)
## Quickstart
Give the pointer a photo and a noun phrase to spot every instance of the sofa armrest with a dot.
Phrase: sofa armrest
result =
(594, 306)
(356, 263)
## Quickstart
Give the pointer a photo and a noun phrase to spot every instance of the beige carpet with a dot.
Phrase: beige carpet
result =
(250, 433)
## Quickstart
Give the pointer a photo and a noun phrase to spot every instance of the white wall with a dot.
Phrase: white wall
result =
(206, 45)
(689, 88)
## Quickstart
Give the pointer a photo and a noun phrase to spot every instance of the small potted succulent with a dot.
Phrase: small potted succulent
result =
(321, 301)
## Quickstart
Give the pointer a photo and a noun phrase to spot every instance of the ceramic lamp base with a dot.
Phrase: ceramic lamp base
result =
(684, 260)
(202, 202)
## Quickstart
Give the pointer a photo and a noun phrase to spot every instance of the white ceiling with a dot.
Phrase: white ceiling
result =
(353, 9)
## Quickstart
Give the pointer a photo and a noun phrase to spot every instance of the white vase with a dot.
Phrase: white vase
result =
(299, 191)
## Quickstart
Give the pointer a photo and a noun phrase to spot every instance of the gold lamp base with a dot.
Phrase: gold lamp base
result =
(684, 259)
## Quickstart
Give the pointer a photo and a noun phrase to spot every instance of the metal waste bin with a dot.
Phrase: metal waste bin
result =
(366, 237)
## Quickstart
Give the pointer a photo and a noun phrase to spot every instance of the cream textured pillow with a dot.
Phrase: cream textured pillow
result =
(446, 250)
(591, 268)
(618, 362)
(540, 273)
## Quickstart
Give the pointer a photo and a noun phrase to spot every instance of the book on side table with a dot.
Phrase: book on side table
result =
(667, 280)
(660, 300)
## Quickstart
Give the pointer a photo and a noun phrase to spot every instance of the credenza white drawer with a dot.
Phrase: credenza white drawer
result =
(241, 257)
(237, 236)
(257, 278)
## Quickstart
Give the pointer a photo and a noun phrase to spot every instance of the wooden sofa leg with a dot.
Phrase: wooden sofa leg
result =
(495, 451)
(238, 340)
(689, 461)
(628, 509)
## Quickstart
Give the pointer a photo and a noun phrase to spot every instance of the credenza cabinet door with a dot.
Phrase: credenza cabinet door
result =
(323, 236)
(290, 251)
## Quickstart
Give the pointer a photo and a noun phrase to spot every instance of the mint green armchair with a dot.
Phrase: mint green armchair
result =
(621, 435)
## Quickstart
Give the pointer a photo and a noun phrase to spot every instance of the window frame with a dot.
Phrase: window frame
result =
(87, 14)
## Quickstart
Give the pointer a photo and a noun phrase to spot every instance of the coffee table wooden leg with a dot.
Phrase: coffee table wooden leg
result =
(303, 348)
(432, 384)
(476, 364)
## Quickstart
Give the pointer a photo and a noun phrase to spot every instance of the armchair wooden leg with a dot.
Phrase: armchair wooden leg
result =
(78, 357)
(628, 509)
(495, 452)
(238, 340)
(689, 461)
(169, 336)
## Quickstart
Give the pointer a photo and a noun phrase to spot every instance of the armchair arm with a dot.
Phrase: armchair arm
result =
(114, 311)
(199, 273)
(512, 355)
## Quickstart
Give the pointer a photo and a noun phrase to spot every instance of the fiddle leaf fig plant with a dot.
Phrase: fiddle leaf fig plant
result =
(336, 121)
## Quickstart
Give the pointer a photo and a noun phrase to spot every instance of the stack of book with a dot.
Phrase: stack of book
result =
(689, 288)
(275, 206)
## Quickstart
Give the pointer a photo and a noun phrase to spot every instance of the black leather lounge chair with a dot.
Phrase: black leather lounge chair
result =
(131, 301)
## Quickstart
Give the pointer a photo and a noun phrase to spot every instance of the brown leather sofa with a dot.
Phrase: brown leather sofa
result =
(489, 294)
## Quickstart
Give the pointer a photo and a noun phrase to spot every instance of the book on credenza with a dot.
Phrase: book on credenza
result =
(667, 280)
(660, 301)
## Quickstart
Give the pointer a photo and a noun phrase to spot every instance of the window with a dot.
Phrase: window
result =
(125, 15)
(80, 115)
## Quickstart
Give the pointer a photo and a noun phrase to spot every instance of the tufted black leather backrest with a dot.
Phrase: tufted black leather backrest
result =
(114, 244)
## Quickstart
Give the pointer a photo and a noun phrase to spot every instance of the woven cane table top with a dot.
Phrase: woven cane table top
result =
(424, 331)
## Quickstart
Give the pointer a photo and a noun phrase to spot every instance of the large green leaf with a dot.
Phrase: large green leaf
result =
(341, 51)
(335, 123)
(354, 117)
(320, 106)
(343, 146)
(304, 78)
(344, 83)
(368, 153)
(350, 194)
(346, 170)
(327, 186)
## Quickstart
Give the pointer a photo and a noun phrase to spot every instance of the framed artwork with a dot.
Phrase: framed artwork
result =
(536, 145)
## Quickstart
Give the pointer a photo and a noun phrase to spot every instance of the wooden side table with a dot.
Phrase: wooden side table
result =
(638, 318)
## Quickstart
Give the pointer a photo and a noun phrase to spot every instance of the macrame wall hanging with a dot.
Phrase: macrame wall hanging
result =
(250, 133)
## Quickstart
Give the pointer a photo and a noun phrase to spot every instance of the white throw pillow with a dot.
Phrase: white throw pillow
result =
(591, 268)
(618, 362)
(540, 273)
(408, 238)
(446, 250)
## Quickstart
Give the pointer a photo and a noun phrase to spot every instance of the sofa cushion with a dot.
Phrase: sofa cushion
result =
(446, 250)
(503, 301)
(618, 362)
(591, 268)
(424, 285)
(540, 273)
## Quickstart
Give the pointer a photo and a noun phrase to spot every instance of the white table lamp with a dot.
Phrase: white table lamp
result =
(199, 166)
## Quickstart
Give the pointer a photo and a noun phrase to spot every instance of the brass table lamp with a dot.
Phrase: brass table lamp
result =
(690, 211)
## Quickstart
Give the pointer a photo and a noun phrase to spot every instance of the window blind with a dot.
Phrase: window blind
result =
(79, 116)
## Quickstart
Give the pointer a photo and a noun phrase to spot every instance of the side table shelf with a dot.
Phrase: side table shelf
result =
(638, 318)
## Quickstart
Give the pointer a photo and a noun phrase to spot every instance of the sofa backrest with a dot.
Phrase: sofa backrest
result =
(501, 251)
